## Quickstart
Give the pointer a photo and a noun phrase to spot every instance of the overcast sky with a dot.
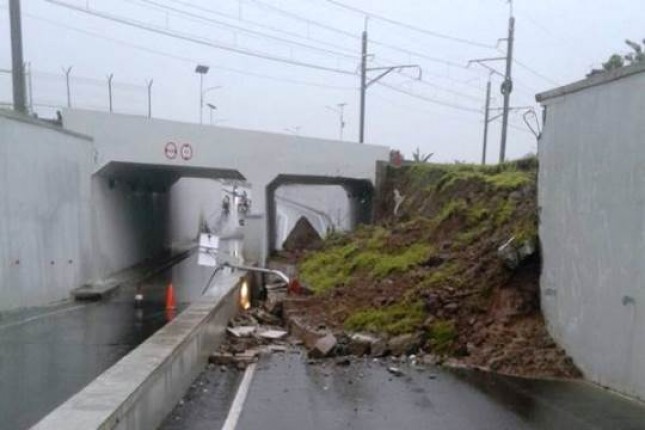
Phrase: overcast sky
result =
(557, 42)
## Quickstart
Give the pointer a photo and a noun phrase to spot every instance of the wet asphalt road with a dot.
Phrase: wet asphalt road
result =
(207, 402)
(48, 355)
(287, 393)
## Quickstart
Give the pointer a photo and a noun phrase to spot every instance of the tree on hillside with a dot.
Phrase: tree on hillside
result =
(419, 157)
(617, 61)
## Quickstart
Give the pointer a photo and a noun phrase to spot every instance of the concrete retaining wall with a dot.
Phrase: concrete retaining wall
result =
(592, 200)
(60, 226)
(45, 201)
(142, 388)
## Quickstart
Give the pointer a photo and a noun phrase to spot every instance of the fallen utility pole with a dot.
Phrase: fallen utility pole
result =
(365, 83)
(18, 67)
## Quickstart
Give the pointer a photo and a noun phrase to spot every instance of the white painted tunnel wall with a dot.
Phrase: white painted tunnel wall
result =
(592, 199)
(45, 192)
(60, 227)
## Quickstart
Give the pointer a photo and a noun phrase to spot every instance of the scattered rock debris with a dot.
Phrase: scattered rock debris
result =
(395, 371)
(449, 274)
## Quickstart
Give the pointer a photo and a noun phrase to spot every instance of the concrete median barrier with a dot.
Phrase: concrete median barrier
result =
(142, 388)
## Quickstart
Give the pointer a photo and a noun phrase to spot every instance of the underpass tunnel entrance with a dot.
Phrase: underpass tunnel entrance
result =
(327, 203)
(141, 211)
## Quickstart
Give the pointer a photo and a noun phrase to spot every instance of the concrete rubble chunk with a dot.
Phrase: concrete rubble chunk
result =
(304, 332)
(363, 344)
(324, 347)
(242, 331)
(265, 317)
(272, 334)
(514, 252)
(404, 344)
(395, 371)
(378, 348)
(276, 293)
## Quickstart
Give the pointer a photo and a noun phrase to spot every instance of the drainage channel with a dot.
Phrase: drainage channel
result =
(48, 356)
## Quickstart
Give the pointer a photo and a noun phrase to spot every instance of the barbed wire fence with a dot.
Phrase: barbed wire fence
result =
(49, 92)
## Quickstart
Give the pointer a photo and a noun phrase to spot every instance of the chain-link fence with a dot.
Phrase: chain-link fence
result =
(49, 92)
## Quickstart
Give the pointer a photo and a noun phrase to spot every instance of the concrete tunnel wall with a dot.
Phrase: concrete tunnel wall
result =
(45, 211)
(61, 226)
(592, 225)
(129, 225)
(258, 156)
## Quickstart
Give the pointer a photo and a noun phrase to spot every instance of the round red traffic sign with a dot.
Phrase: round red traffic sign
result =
(170, 150)
(186, 151)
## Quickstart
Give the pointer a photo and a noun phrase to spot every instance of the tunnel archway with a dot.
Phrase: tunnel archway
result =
(360, 193)
(132, 211)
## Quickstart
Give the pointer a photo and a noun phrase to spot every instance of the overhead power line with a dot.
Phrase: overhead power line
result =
(260, 25)
(411, 27)
(185, 59)
(535, 72)
(193, 39)
(310, 22)
(246, 30)
(429, 99)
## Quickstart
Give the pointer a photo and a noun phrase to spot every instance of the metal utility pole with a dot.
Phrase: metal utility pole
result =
(30, 86)
(18, 67)
(149, 84)
(340, 110)
(507, 87)
(365, 83)
(361, 132)
(486, 119)
(69, 94)
(110, 89)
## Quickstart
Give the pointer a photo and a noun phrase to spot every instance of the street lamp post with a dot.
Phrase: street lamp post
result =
(201, 69)
(212, 107)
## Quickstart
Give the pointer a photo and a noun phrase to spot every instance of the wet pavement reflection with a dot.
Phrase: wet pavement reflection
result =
(49, 355)
(286, 393)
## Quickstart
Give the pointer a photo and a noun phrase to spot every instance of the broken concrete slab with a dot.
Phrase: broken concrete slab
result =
(361, 344)
(304, 332)
(378, 348)
(324, 347)
(242, 331)
(404, 344)
(272, 334)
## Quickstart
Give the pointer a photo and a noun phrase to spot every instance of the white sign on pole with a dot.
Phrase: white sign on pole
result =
(208, 248)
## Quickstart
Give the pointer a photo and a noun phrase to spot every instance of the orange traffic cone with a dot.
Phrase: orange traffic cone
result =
(170, 298)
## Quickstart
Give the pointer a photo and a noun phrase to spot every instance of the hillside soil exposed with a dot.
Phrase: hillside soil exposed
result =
(432, 275)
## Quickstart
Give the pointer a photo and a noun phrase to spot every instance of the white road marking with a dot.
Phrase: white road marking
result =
(37, 317)
(236, 408)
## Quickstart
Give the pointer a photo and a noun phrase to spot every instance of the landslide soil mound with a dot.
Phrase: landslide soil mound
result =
(433, 269)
